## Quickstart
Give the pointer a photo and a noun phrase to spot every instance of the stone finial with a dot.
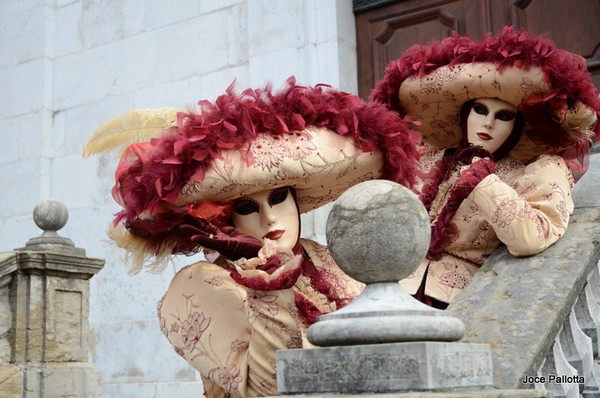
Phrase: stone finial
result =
(378, 233)
(50, 215)
(391, 225)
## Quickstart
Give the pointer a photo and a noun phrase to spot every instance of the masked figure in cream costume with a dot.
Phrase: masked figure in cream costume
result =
(232, 179)
(507, 123)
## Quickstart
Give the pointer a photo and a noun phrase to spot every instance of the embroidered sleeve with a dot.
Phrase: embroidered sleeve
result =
(533, 212)
(227, 331)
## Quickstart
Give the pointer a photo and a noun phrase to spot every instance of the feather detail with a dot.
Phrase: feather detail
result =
(578, 121)
(135, 126)
(138, 254)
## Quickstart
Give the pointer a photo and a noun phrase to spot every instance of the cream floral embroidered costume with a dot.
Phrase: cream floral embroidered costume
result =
(180, 184)
(238, 359)
(521, 199)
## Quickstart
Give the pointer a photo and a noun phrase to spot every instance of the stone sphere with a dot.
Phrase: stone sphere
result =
(378, 231)
(50, 215)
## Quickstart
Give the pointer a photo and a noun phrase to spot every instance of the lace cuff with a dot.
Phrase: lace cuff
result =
(273, 269)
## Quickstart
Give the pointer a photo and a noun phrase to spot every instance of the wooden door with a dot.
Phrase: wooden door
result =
(385, 28)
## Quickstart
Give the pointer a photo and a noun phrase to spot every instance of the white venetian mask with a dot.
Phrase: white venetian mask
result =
(271, 214)
(490, 123)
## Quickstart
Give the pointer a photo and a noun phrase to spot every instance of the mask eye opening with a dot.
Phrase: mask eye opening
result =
(480, 109)
(505, 115)
(277, 196)
(245, 206)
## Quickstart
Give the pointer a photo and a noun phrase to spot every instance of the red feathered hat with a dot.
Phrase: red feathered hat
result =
(318, 140)
(550, 87)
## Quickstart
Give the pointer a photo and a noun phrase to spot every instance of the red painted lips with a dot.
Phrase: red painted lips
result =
(274, 235)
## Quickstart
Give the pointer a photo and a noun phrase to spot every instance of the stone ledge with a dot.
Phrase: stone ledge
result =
(480, 393)
(56, 379)
(518, 305)
(407, 366)
(65, 265)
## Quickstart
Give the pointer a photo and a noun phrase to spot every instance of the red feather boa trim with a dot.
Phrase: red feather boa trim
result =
(444, 230)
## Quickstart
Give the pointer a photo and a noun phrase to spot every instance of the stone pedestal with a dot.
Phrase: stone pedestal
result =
(44, 329)
(410, 366)
(384, 313)
(49, 299)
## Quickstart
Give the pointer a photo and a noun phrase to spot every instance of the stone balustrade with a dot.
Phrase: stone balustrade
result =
(44, 308)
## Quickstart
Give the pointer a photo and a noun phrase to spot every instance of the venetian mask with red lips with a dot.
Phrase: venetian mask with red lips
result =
(490, 123)
(271, 214)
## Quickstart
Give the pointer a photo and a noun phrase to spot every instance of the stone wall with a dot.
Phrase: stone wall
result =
(68, 65)
(10, 375)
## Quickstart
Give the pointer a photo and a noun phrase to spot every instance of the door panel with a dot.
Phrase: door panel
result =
(570, 27)
(384, 33)
(387, 28)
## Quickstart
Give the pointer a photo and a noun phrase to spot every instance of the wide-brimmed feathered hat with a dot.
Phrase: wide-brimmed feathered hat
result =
(319, 140)
(550, 87)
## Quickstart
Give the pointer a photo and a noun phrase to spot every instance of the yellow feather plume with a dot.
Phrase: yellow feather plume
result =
(135, 126)
(137, 253)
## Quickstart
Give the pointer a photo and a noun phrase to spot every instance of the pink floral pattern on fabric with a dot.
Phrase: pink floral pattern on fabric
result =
(524, 206)
(505, 213)
(530, 87)
(184, 319)
(230, 378)
(299, 146)
(454, 280)
(435, 82)
(263, 305)
(192, 329)
(267, 154)
(564, 212)
(238, 345)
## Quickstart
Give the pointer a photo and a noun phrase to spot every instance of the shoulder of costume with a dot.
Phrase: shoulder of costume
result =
(201, 269)
(311, 246)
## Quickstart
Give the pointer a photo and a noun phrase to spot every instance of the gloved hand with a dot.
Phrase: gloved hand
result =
(228, 241)
(472, 175)
(469, 154)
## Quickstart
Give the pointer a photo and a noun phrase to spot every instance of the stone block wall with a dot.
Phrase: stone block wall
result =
(68, 65)
(11, 378)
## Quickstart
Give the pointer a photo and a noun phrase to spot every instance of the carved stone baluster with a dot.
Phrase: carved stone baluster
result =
(557, 365)
(587, 310)
(581, 346)
(540, 374)
(592, 388)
